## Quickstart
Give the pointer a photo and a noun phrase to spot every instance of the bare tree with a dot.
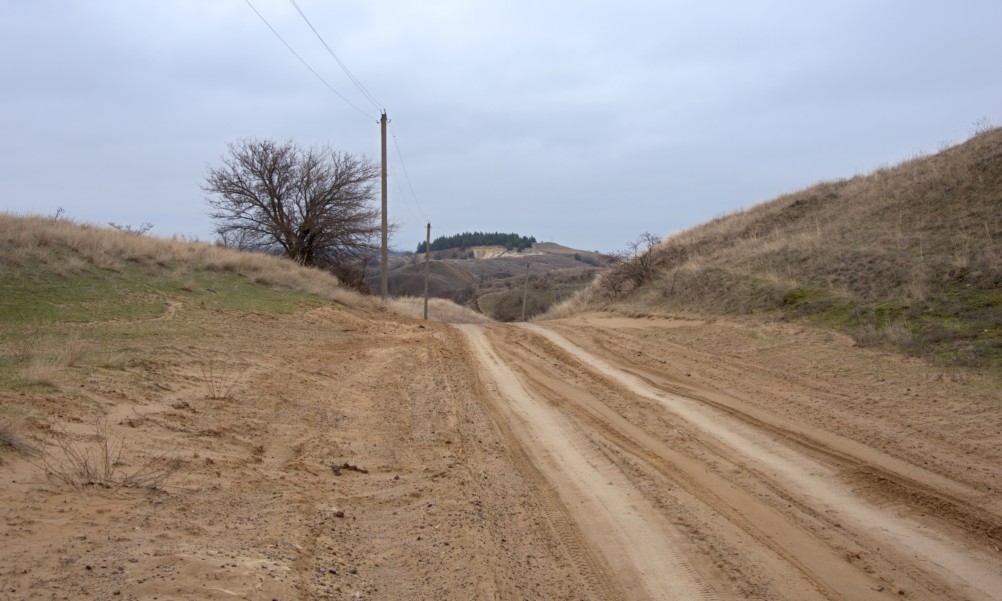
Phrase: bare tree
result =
(314, 205)
(633, 267)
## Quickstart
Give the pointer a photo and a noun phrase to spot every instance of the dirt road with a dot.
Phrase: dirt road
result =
(685, 496)
(333, 453)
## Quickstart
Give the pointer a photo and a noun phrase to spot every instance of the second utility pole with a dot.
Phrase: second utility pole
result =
(383, 260)
(427, 265)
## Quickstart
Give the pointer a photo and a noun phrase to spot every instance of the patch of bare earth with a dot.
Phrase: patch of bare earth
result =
(344, 456)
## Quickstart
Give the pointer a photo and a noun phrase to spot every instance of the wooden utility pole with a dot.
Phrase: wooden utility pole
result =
(384, 259)
(525, 294)
(427, 266)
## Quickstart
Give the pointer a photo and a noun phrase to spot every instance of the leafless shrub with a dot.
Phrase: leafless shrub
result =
(351, 272)
(138, 230)
(99, 463)
(634, 267)
(981, 126)
(220, 379)
(237, 240)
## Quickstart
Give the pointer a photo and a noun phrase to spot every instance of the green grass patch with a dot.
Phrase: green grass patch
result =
(803, 295)
(227, 291)
(36, 293)
(962, 327)
(51, 319)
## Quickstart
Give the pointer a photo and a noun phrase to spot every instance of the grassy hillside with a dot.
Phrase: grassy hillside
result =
(67, 287)
(906, 257)
(75, 272)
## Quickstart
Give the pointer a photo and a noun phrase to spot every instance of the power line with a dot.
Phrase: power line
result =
(358, 84)
(400, 189)
(343, 66)
(406, 175)
(306, 64)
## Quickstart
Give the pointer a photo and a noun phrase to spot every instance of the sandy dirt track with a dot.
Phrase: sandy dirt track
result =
(592, 458)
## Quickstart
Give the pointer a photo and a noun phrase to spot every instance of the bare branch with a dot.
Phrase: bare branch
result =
(314, 205)
(633, 267)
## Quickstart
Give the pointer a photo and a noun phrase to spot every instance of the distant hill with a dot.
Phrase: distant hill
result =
(490, 279)
(908, 257)
(467, 239)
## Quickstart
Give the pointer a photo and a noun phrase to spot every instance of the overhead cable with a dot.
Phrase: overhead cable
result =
(406, 175)
(306, 64)
(340, 63)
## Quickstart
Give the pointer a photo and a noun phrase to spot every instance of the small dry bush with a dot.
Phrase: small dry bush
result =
(220, 379)
(98, 461)
(633, 268)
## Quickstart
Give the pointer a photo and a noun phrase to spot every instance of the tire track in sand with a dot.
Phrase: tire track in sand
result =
(968, 570)
(640, 549)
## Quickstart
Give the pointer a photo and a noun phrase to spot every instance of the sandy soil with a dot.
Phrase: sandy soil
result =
(357, 456)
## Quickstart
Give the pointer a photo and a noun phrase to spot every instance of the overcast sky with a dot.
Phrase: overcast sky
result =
(582, 122)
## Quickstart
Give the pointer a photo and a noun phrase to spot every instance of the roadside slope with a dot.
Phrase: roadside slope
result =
(908, 257)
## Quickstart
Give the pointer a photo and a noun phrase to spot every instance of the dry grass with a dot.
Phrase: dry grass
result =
(73, 352)
(98, 461)
(438, 310)
(80, 247)
(43, 358)
(580, 302)
(41, 371)
(916, 245)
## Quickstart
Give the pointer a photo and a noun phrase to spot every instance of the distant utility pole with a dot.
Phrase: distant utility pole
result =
(525, 293)
(427, 265)
(384, 284)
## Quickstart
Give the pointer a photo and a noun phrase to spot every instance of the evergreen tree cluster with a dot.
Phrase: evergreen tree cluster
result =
(468, 239)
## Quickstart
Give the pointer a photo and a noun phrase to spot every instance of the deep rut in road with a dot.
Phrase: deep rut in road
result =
(686, 501)
(643, 553)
